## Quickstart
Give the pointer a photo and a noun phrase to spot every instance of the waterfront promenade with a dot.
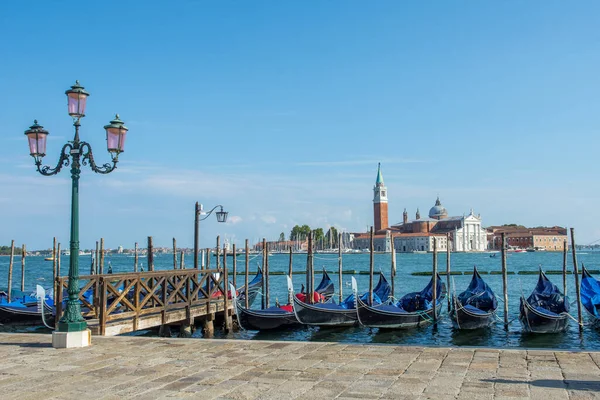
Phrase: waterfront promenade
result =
(154, 368)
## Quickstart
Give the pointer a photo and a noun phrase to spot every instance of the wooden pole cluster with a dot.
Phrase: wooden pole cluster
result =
(23, 255)
(150, 254)
(448, 268)
(174, 254)
(10, 269)
(371, 267)
(135, 257)
(434, 277)
(577, 288)
(312, 271)
(246, 277)
(564, 271)
(340, 280)
(504, 281)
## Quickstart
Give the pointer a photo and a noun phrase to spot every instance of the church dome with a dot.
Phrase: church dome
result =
(438, 211)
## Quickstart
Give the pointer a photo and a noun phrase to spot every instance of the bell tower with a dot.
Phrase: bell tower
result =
(380, 202)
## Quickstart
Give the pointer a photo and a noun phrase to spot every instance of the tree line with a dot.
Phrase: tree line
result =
(5, 251)
(322, 239)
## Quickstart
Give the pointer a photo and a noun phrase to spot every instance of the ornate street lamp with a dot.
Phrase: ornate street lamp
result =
(221, 217)
(72, 328)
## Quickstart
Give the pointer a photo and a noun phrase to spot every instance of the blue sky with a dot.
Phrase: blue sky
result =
(281, 111)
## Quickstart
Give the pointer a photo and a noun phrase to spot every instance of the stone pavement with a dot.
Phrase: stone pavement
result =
(153, 368)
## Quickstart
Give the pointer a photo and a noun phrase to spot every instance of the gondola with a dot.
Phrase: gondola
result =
(590, 296)
(278, 317)
(333, 314)
(546, 310)
(22, 308)
(411, 311)
(475, 307)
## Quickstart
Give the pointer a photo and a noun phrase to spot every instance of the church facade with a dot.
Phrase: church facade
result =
(461, 233)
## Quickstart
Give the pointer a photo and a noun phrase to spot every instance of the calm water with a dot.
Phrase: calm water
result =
(39, 271)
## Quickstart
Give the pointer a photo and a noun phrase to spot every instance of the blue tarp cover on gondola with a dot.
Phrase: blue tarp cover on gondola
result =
(590, 293)
(380, 294)
(478, 295)
(417, 301)
(547, 297)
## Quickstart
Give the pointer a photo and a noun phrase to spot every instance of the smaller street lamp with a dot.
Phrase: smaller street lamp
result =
(221, 217)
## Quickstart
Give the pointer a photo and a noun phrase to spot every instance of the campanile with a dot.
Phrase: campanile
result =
(380, 202)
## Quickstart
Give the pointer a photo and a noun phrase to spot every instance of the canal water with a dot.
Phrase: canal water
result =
(38, 271)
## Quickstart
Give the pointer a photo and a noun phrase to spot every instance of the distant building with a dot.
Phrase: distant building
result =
(465, 232)
(539, 238)
(120, 250)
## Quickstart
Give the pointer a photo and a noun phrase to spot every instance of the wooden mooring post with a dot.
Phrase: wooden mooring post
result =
(97, 259)
(340, 280)
(101, 255)
(23, 255)
(54, 274)
(150, 254)
(371, 266)
(393, 271)
(504, 281)
(290, 274)
(135, 257)
(228, 323)
(434, 277)
(58, 259)
(564, 271)
(10, 270)
(234, 266)
(576, 273)
(174, 254)
(265, 274)
(246, 275)
(181, 262)
(448, 269)
(267, 294)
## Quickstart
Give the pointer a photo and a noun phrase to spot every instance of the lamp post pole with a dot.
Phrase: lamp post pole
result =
(221, 217)
(75, 153)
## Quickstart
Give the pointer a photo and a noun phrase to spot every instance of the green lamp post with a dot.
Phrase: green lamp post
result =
(74, 154)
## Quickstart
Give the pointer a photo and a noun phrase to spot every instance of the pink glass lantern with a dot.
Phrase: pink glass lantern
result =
(115, 135)
(77, 97)
(36, 134)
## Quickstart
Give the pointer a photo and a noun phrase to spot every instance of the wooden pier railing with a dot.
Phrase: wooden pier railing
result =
(121, 303)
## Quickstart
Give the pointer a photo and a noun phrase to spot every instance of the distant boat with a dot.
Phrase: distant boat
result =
(49, 259)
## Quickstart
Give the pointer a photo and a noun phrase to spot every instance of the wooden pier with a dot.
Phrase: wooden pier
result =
(120, 303)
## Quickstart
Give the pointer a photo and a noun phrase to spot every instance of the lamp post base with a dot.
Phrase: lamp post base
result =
(69, 340)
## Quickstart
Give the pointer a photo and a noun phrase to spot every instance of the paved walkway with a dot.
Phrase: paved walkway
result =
(153, 368)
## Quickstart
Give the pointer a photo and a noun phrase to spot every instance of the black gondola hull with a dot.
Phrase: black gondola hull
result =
(373, 317)
(318, 315)
(463, 319)
(533, 321)
(259, 320)
(22, 314)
